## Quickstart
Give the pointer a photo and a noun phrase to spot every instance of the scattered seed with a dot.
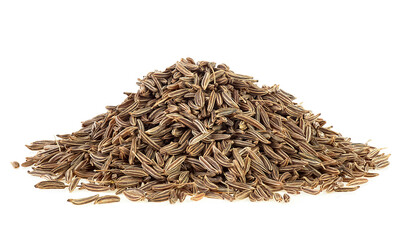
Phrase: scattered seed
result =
(82, 201)
(15, 164)
(107, 199)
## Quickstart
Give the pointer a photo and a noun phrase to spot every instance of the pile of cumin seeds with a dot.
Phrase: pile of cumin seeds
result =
(201, 130)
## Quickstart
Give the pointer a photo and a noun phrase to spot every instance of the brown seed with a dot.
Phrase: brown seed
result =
(140, 112)
(181, 67)
(94, 187)
(159, 196)
(357, 181)
(310, 191)
(82, 201)
(251, 121)
(344, 189)
(15, 164)
(107, 199)
(135, 194)
(286, 198)
(371, 174)
(278, 197)
(240, 186)
(73, 184)
(50, 185)
(198, 196)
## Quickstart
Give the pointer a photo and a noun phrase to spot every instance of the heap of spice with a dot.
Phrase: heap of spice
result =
(201, 130)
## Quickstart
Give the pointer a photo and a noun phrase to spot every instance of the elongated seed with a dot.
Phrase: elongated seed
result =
(74, 183)
(81, 201)
(107, 199)
(357, 181)
(50, 185)
(94, 187)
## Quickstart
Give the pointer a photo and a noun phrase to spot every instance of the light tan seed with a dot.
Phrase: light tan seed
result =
(135, 194)
(357, 181)
(107, 199)
(94, 187)
(140, 112)
(286, 198)
(344, 189)
(371, 174)
(310, 191)
(240, 186)
(50, 185)
(149, 141)
(74, 183)
(15, 164)
(180, 66)
(250, 120)
(278, 197)
(81, 201)
(198, 196)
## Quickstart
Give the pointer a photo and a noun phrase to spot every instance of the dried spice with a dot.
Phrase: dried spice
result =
(201, 130)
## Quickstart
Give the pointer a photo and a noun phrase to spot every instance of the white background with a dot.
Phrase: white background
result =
(61, 62)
